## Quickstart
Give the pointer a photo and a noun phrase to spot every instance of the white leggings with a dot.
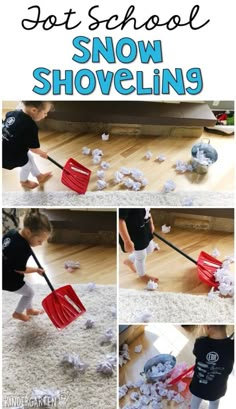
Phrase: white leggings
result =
(138, 257)
(29, 167)
(25, 302)
(196, 402)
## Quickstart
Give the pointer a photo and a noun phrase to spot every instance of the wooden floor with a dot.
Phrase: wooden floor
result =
(129, 151)
(98, 264)
(176, 273)
(162, 338)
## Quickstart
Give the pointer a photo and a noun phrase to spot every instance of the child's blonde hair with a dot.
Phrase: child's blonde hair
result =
(37, 222)
(38, 104)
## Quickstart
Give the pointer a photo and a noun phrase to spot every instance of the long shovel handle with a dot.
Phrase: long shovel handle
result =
(55, 163)
(66, 170)
(44, 274)
(175, 248)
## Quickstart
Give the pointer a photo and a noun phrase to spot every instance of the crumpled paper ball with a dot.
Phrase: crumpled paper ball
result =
(106, 368)
(125, 171)
(122, 391)
(74, 361)
(71, 265)
(96, 159)
(215, 252)
(107, 337)
(213, 293)
(169, 186)
(144, 182)
(89, 324)
(145, 316)
(101, 184)
(128, 183)
(165, 228)
(91, 287)
(86, 151)
(181, 386)
(182, 167)
(97, 152)
(151, 285)
(136, 186)
(134, 396)
(100, 174)
(105, 165)
(161, 158)
(138, 348)
(124, 355)
(105, 136)
(148, 155)
(137, 174)
(230, 259)
(226, 281)
(160, 369)
(118, 176)
(187, 201)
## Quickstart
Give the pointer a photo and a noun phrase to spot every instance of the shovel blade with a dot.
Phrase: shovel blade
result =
(207, 266)
(63, 306)
(76, 176)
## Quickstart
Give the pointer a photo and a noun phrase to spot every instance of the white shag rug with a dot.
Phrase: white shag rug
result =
(32, 352)
(134, 306)
(120, 198)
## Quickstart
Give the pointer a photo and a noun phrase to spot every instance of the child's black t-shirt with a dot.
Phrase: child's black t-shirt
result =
(16, 252)
(214, 362)
(138, 226)
(19, 134)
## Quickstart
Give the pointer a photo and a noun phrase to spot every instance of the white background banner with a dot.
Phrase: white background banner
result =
(184, 44)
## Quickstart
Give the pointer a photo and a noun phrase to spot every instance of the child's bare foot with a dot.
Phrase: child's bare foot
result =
(147, 277)
(156, 247)
(131, 265)
(21, 317)
(29, 184)
(31, 311)
(43, 177)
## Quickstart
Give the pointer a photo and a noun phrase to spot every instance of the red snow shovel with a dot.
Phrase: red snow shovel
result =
(181, 376)
(62, 305)
(207, 265)
(74, 175)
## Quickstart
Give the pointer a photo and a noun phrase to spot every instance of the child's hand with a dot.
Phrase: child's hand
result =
(40, 271)
(152, 227)
(129, 246)
(44, 154)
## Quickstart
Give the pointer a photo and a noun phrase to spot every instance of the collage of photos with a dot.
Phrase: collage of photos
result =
(107, 303)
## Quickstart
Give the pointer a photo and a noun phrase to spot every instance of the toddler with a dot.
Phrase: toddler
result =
(16, 252)
(214, 362)
(20, 139)
(136, 237)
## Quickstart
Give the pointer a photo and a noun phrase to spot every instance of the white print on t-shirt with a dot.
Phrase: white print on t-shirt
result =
(147, 215)
(10, 121)
(6, 242)
(207, 372)
(212, 357)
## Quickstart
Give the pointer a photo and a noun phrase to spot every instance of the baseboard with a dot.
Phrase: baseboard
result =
(121, 129)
